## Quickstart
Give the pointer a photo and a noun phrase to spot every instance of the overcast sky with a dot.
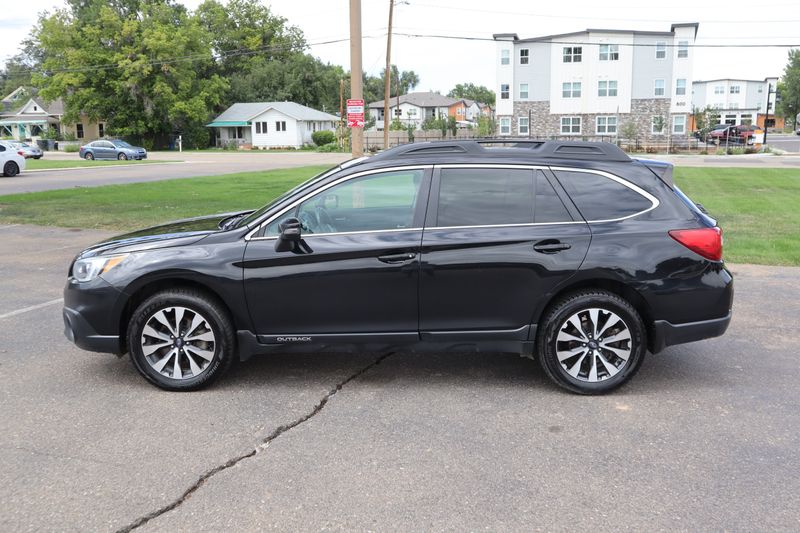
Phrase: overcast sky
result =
(443, 63)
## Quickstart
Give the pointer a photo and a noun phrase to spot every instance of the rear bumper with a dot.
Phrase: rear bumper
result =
(668, 334)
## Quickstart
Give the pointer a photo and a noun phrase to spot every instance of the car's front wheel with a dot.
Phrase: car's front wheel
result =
(10, 169)
(181, 339)
(591, 342)
(89, 156)
(122, 157)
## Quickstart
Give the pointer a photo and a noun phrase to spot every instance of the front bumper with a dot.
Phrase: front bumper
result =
(78, 331)
(91, 316)
(668, 334)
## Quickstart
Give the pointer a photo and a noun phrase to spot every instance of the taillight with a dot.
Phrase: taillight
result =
(703, 241)
(21, 153)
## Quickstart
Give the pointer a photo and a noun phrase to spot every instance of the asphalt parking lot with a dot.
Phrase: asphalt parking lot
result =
(706, 437)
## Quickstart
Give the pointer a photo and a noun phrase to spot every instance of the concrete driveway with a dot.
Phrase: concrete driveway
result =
(706, 437)
(185, 165)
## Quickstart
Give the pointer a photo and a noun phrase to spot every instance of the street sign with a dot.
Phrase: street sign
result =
(355, 113)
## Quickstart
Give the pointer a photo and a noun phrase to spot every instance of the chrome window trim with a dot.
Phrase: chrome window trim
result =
(302, 199)
(305, 236)
(507, 225)
(621, 181)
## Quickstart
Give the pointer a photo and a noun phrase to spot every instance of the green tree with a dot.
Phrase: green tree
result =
(146, 67)
(470, 91)
(789, 106)
(16, 73)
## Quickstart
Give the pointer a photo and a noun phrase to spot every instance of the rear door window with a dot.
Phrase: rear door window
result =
(599, 197)
(497, 196)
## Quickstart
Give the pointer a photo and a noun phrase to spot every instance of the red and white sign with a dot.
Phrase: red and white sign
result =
(355, 113)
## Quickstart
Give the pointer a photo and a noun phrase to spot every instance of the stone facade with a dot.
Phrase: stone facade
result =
(547, 125)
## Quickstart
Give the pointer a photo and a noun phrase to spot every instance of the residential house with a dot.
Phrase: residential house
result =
(24, 115)
(270, 125)
(465, 110)
(413, 108)
(738, 101)
(592, 82)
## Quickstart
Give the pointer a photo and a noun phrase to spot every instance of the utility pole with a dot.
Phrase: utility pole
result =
(341, 113)
(387, 78)
(356, 91)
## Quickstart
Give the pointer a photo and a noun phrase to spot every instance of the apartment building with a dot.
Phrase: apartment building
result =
(738, 101)
(591, 83)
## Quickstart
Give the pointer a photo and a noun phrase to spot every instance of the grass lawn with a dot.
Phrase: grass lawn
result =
(36, 164)
(756, 207)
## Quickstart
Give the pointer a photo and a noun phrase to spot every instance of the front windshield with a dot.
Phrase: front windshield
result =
(256, 214)
(121, 144)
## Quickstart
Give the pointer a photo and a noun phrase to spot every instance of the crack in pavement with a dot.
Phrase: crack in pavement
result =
(280, 430)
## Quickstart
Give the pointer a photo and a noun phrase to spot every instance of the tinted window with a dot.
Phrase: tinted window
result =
(2, 148)
(549, 207)
(601, 198)
(371, 203)
(477, 197)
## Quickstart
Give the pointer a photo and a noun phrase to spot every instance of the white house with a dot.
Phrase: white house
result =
(413, 108)
(24, 115)
(270, 125)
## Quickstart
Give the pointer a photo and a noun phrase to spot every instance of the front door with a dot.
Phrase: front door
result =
(496, 241)
(357, 270)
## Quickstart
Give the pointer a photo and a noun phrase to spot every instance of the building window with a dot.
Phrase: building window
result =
(606, 125)
(683, 49)
(264, 127)
(571, 90)
(523, 91)
(719, 89)
(505, 57)
(573, 54)
(746, 119)
(524, 56)
(657, 125)
(680, 86)
(718, 105)
(661, 50)
(760, 88)
(735, 89)
(659, 88)
(679, 124)
(280, 125)
(505, 126)
(258, 127)
(570, 125)
(79, 131)
(522, 126)
(101, 129)
(734, 105)
(730, 120)
(609, 52)
(504, 90)
(607, 88)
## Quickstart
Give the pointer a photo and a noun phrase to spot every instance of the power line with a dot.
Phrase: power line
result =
(586, 43)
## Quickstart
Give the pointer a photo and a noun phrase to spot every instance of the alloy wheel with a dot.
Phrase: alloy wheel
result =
(593, 345)
(178, 342)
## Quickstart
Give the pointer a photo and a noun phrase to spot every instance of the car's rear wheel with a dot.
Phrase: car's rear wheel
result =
(591, 342)
(122, 157)
(89, 156)
(10, 169)
(181, 339)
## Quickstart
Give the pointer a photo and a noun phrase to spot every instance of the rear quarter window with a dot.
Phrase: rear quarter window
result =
(598, 197)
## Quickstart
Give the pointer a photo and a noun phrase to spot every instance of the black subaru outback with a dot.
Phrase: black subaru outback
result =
(568, 251)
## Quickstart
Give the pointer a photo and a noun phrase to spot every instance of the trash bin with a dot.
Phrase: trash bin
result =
(42, 144)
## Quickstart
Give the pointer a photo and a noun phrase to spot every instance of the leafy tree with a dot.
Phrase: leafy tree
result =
(402, 83)
(396, 125)
(117, 61)
(16, 73)
(789, 106)
(486, 126)
(470, 91)
(629, 130)
(452, 126)
(705, 119)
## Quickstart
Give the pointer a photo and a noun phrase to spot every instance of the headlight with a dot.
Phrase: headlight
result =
(87, 269)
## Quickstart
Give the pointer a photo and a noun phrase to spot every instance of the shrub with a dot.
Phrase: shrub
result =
(72, 148)
(330, 147)
(323, 137)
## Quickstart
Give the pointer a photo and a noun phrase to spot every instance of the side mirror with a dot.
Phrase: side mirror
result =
(290, 235)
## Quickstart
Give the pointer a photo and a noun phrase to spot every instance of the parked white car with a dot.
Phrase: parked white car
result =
(12, 162)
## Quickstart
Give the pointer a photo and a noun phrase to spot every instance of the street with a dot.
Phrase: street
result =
(705, 437)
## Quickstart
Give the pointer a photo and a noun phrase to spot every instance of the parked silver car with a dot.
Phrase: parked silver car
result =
(28, 150)
(111, 149)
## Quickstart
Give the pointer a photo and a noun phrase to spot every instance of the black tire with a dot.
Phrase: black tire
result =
(579, 303)
(122, 157)
(10, 169)
(210, 309)
(37, 157)
(89, 156)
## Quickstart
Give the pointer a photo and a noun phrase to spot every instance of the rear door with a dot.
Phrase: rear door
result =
(497, 239)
